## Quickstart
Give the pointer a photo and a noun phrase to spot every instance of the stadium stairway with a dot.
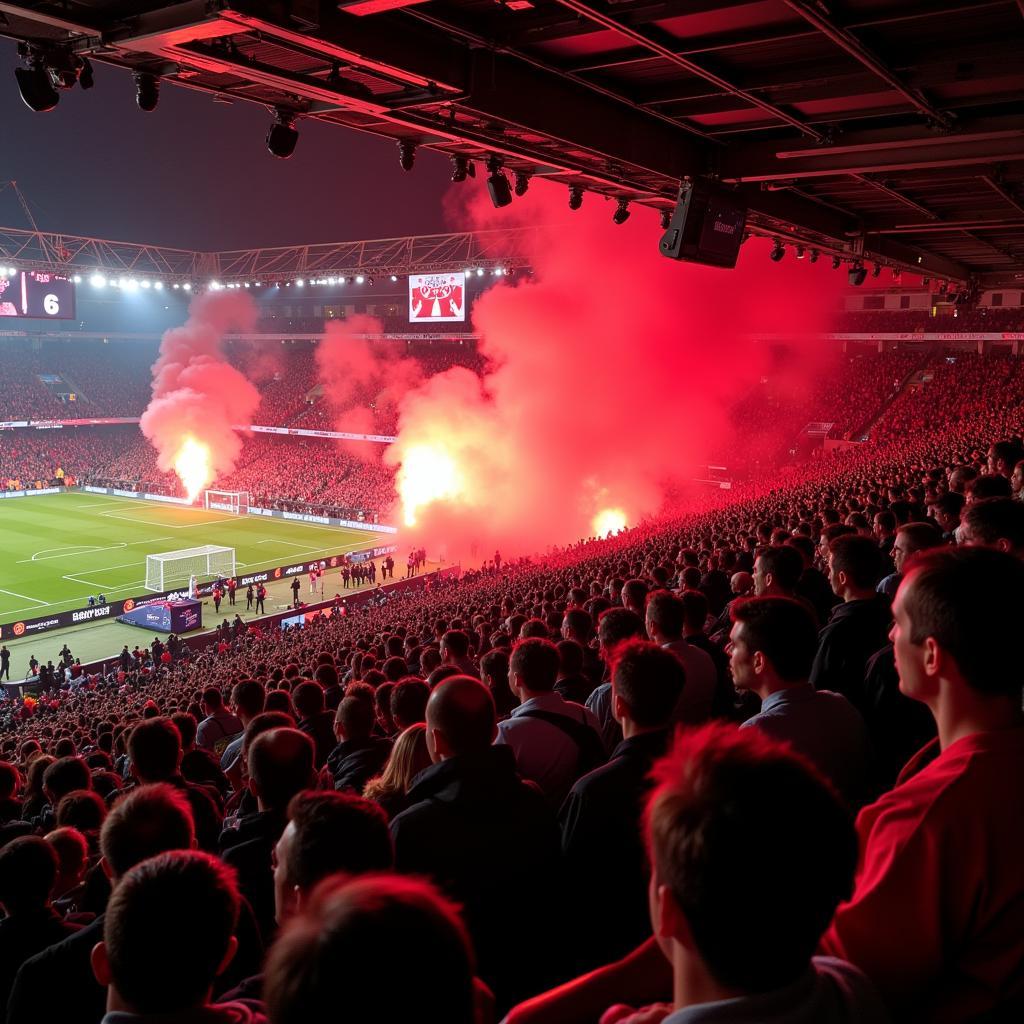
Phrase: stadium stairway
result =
(914, 376)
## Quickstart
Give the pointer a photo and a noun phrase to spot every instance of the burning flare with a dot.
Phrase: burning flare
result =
(192, 464)
(609, 521)
(427, 474)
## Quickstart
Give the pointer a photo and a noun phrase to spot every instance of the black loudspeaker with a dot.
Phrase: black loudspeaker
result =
(706, 226)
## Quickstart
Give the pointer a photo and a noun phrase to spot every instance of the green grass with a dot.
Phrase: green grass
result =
(58, 549)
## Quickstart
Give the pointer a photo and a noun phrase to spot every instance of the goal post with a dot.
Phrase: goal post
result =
(169, 569)
(235, 502)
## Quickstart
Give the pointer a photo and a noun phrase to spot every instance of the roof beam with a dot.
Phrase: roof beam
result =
(982, 141)
(850, 44)
(642, 38)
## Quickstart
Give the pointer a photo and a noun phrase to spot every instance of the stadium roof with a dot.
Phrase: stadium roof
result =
(883, 129)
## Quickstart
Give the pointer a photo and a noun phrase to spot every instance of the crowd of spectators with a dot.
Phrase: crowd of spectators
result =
(762, 760)
(981, 319)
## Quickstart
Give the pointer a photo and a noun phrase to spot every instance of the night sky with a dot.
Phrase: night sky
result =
(197, 175)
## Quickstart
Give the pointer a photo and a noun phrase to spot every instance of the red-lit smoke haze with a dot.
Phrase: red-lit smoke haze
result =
(356, 373)
(195, 391)
(612, 373)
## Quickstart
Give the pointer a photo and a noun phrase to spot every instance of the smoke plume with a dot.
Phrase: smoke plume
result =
(611, 374)
(197, 394)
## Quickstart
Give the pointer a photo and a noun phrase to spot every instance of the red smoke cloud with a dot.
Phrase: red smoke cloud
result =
(196, 393)
(357, 373)
(612, 373)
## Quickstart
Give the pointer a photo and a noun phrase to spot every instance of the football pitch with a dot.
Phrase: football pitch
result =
(57, 550)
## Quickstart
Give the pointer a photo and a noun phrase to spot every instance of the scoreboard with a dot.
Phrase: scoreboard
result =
(37, 294)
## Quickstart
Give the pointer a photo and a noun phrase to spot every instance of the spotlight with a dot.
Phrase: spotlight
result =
(778, 251)
(282, 134)
(406, 154)
(856, 274)
(836, 262)
(800, 252)
(158, 285)
(176, 286)
(897, 274)
(187, 286)
(145, 283)
(926, 281)
(460, 168)
(299, 283)
(97, 280)
(498, 187)
(36, 89)
(77, 279)
(522, 183)
(815, 255)
(575, 197)
(479, 271)
(147, 90)
(360, 279)
(621, 214)
(394, 277)
(876, 270)
(666, 219)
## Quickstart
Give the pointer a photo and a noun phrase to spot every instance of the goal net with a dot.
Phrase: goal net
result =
(236, 502)
(170, 569)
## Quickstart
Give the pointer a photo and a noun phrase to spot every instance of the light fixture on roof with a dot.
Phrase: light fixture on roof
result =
(498, 187)
(147, 90)
(836, 262)
(876, 270)
(522, 183)
(406, 154)
(394, 277)
(282, 134)
(360, 279)
(800, 252)
(621, 214)
(575, 197)
(813, 258)
(857, 274)
(777, 252)
(460, 168)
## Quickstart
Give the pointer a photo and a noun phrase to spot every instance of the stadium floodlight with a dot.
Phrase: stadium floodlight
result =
(460, 168)
(158, 285)
(621, 214)
(479, 271)
(876, 270)
(282, 134)
(406, 154)
(575, 197)
(299, 283)
(246, 285)
(176, 286)
(815, 255)
(498, 187)
(522, 183)
(77, 279)
(332, 280)
(360, 279)
(187, 286)
(394, 277)
(778, 251)
(147, 90)
(97, 280)
(800, 252)
(173, 569)
(856, 274)
(145, 283)
(836, 262)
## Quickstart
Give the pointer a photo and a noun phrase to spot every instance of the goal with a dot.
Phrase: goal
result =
(169, 569)
(236, 502)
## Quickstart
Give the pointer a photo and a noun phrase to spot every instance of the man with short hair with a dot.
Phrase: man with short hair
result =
(143, 823)
(666, 625)
(219, 727)
(314, 718)
(280, 765)
(777, 572)
(409, 702)
(614, 627)
(359, 755)
(936, 919)
(601, 833)
(489, 839)
(741, 941)
(168, 935)
(772, 646)
(455, 652)
(247, 700)
(994, 523)
(910, 538)
(554, 740)
(859, 626)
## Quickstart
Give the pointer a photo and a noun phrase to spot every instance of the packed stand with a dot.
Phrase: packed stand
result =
(762, 761)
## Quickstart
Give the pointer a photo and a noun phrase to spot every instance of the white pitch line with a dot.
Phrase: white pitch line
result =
(290, 543)
(23, 597)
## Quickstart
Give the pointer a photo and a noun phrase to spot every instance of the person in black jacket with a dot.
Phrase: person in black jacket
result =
(601, 832)
(58, 983)
(489, 840)
(314, 720)
(28, 869)
(359, 755)
(280, 765)
(859, 626)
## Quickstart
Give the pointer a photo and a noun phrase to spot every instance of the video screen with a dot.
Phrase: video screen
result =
(37, 295)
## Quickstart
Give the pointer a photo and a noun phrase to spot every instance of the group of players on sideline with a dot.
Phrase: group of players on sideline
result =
(763, 763)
